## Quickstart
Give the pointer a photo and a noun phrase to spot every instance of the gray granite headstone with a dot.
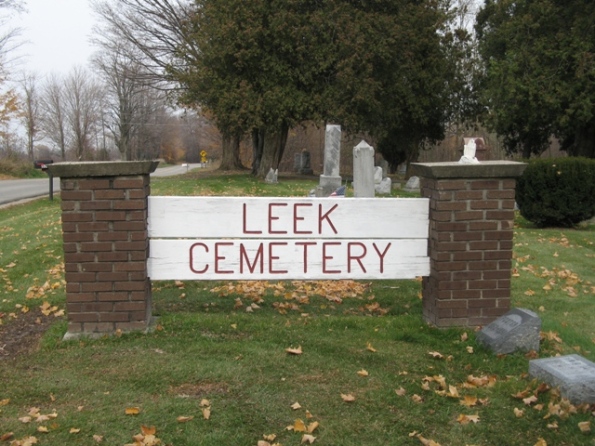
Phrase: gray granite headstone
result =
(271, 176)
(378, 174)
(516, 330)
(412, 184)
(363, 170)
(384, 187)
(572, 374)
(330, 179)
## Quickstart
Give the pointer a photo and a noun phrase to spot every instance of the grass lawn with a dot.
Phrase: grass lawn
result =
(346, 363)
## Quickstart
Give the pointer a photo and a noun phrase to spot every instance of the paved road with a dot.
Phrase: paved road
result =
(16, 190)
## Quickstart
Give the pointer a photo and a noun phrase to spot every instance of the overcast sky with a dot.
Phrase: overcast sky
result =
(57, 34)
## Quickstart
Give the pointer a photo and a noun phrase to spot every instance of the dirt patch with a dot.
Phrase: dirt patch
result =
(22, 335)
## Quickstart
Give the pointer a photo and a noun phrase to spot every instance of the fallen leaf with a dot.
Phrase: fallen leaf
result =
(400, 391)
(148, 430)
(299, 426)
(204, 403)
(469, 401)
(98, 438)
(308, 439)
(74, 430)
(541, 442)
(294, 351)
(469, 349)
(270, 437)
(348, 398)
(466, 419)
(370, 348)
(553, 425)
(312, 427)
(416, 398)
(530, 400)
(585, 426)
(4, 402)
(427, 442)
(464, 337)
(7, 436)
(183, 419)
(436, 355)
(132, 411)
(43, 429)
(519, 413)
(362, 373)
(296, 406)
(206, 413)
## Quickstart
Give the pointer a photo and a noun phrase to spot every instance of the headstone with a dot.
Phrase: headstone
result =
(377, 175)
(363, 170)
(271, 176)
(517, 330)
(384, 166)
(412, 184)
(330, 179)
(384, 187)
(297, 162)
(305, 168)
(572, 374)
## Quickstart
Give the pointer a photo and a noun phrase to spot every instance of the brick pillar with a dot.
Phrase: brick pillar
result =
(470, 240)
(106, 245)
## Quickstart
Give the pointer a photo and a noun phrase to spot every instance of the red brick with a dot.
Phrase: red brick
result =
(77, 217)
(129, 286)
(96, 267)
(112, 256)
(130, 204)
(485, 184)
(130, 306)
(110, 296)
(483, 246)
(93, 184)
(466, 275)
(482, 284)
(129, 183)
(96, 287)
(498, 235)
(450, 185)
(83, 317)
(131, 246)
(484, 204)
(79, 257)
(110, 194)
(486, 265)
(79, 277)
(96, 205)
(469, 195)
(114, 317)
(467, 256)
(96, 247)
(500, 194)
(450, 205)
(501, 292)
(488, 275)
(78, 237)
(130, 225)
(81, 297)
(112, 236)
(449, 227)
(75, 195)
(93, 227)
(468, 215)
(467, 236)
(110, 216)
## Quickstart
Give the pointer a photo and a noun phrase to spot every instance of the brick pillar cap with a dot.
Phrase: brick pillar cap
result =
(485, 169)
(102, 169)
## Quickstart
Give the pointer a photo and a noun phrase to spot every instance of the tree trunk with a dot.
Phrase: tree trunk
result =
(230, 158)
(257, 149)
(273, 148)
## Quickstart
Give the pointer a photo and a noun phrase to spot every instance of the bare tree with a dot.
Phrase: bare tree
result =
(53, 113)
(82, 105)
(30, 110)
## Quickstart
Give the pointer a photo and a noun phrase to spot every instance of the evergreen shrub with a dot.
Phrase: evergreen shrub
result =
(557, 192)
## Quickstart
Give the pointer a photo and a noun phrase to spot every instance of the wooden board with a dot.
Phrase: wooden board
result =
(259, 238)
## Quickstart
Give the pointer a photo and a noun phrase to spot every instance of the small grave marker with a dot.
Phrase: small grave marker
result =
(572, 374)
(516, 330)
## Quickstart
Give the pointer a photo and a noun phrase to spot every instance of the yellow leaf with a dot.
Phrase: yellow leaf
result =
(132, 411)
(25, 419)
(270, 437)
(7, 436)
(74, 430)
(348, 398)
(148, 430)
(553, 425)
(426, 441)
(469, 401)
(299, 426)
(42, 429)
(204, 403)
(436, 355)
(464, 337)
(296, 406)
(263, 443)
(308, 439)
(370, 348)
(294, 351)
(98, 438)
(362, 373)
(541, 442)
(469, 349)
(309, 415)
(585, 426)
(4, 402)
(466, 419)
(519, 413)
(529, 293)
(416, 398)
(453, 392)
(312, 427)
(183, 419)
(206, 413)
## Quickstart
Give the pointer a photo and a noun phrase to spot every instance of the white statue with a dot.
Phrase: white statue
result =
(469, 153)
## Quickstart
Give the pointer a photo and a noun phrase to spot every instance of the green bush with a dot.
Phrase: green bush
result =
(557, 192)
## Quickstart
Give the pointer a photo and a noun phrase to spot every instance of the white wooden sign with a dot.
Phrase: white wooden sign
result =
(259, 238)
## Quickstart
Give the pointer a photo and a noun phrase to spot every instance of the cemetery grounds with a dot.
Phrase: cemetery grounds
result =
(264, 363)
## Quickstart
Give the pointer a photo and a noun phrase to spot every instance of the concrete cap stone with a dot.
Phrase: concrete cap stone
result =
(454, 170)
(102, 169)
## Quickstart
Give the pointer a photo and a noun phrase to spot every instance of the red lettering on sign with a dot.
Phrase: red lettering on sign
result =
(305, 245)
(244, 257)
(272, 257)
(273, 217)
(204, 270)
(325, 216)
(244, 222)
(326, 257)
(351, 256)
(219, 257)
(296, 218)
(381, 255)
